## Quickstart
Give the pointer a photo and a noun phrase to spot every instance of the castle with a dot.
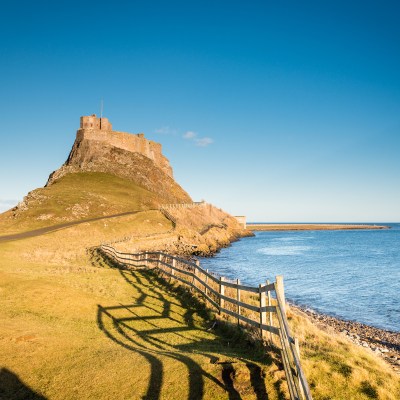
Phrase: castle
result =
(92, 122)
(100, 130)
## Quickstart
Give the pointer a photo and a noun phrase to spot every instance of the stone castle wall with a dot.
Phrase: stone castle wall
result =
(135, 143)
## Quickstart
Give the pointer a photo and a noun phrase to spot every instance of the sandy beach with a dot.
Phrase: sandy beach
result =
(311, 227)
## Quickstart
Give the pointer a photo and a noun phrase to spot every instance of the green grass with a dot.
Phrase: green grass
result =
(79, 196)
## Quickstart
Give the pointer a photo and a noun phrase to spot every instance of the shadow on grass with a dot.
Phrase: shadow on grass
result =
(153, 327)
(12, 388)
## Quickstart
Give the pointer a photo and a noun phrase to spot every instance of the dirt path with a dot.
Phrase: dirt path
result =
(53, 228)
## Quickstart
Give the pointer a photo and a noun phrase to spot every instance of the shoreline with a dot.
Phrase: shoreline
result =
(311, 227)
(383, 343)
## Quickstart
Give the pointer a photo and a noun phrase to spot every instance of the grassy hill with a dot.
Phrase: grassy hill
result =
(83, 196)
(77, 196)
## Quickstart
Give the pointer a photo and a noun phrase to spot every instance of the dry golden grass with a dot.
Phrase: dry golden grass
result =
(78, 196)
(74, 327)
(338, 369)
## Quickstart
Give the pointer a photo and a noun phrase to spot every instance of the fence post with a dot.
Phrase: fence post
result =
(159, 260)
(174, 265)
(270, 313)
(238, 299)
(262, 313)
(297, 346)
(205, 287)
(194, 277)
(280, 291)
(297, 349)
(197, 262)
(221, 293)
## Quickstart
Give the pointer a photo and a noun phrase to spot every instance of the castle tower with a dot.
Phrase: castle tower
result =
(92, 122)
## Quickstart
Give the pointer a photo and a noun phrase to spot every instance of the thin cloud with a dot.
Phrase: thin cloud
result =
(189, 135)
(165, 130)
(198, 141)
(203, 142)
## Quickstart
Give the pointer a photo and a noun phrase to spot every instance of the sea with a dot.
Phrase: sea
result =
(349, 274)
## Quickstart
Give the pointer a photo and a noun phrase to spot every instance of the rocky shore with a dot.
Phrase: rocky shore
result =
(383, 343)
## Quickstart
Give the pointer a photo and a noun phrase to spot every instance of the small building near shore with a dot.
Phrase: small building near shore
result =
(242, 220)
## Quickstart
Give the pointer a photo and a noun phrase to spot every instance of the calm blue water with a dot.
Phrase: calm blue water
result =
(354, 275)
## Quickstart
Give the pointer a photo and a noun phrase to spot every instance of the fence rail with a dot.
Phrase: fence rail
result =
(262, 307)
(184, 205)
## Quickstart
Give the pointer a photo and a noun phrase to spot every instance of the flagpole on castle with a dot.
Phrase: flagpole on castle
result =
(101, 112)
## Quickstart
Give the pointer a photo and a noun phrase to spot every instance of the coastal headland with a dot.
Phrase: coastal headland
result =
(93, 329)
(311, 227)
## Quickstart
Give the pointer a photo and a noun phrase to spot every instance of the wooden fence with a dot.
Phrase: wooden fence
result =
(164, 208)
(262, 307)
(184, 205)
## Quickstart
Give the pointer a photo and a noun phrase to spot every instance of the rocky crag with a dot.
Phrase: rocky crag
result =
(98, 148)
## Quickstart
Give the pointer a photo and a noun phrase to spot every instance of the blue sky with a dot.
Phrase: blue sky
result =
(281, 112)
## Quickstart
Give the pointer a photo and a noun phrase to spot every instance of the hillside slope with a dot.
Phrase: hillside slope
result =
(198, 230)
(77, 196)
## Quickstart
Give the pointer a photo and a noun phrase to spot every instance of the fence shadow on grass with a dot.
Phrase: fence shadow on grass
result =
(153, 327)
